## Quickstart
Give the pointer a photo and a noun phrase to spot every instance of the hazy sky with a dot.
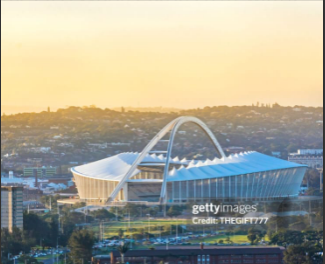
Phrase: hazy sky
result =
(174, 54)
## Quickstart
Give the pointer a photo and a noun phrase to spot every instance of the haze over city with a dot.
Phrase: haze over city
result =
(148, 54)
(162, 132)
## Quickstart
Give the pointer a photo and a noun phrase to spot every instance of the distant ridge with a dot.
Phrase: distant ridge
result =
(158, 109)
(11, 110)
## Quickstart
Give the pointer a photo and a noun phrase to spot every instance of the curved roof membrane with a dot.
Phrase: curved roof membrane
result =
(122, 167)
(243, 163)
(114, 168)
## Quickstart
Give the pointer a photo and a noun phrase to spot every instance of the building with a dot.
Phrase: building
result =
(32, 194)
(41, 171)
(312, 161)
(195, 255)
(11, 207)
(313, 158)
(310, 152)
(154, 176)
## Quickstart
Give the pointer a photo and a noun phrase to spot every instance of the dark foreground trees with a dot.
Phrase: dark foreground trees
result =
(80, 244)
(303, 254)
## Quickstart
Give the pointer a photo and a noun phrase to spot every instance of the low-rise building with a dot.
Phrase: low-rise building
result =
(41, 171)
(197, 255)
(312, 161)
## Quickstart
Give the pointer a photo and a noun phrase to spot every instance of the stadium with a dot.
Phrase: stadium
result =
(155, 176)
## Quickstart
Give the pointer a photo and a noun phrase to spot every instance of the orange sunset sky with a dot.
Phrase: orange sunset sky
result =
(183, 54)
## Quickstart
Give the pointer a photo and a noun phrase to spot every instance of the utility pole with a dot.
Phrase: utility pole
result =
(148, 224)
(320, 179)
(57, 250)
(310, 212)
(59, 227)
(50, 203)
(176, 229)
(101, 231)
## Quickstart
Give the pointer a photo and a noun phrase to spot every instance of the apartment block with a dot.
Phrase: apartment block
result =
(11, 207)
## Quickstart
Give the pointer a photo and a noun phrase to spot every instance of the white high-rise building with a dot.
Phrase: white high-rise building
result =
(11, 207)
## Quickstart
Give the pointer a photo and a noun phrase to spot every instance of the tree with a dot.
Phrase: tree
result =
(80, 244)
(289, 236)
(296, 254)
(123, 248)
(15, 241)
(228, 240)
(255, 235)
(120, 233)
(174, 211)
(102, 214)
(27, 259)
(36, 227)
(137, 236)
(252, 238)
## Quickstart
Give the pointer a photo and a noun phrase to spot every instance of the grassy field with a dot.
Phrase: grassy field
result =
(237, 239)
(112, 228)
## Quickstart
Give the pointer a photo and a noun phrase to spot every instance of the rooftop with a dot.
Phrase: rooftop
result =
(115, 167)
(192, 250)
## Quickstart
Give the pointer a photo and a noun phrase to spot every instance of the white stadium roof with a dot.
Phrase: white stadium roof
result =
(114, 168)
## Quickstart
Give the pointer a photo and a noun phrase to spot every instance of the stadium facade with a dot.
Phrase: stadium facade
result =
(154, 176)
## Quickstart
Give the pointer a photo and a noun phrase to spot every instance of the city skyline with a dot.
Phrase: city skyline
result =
(182, 55)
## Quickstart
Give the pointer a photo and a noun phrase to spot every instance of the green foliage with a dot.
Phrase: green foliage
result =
(287, 237)
(255, 235)
(123, 248)
(102, 214)
(228, 240)
(80, 244)
(137, 236)
(120, 233)
(312, 178)
(15, 241)
(48, 200)
(252, 238)
(27, 259)
(78, 205)
(314, 192)
(174, 210)
(298, 254)
(42, 229)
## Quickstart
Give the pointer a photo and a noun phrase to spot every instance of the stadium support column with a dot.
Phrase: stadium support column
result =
(321, 179)
(125, 192)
